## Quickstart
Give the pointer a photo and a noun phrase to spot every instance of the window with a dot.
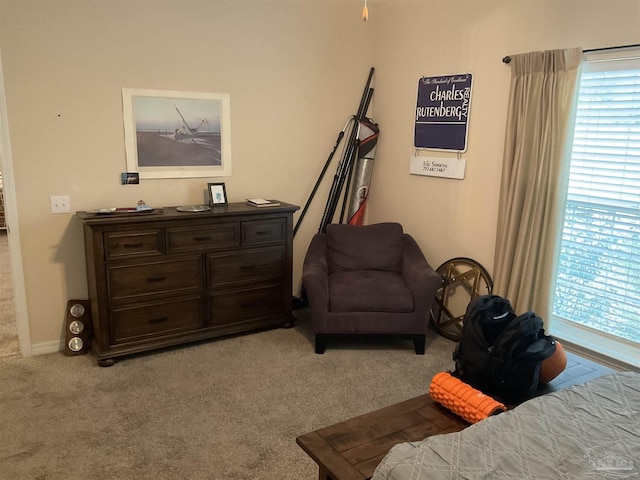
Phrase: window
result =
(597, 294)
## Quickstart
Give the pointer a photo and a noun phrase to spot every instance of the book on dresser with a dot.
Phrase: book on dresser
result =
(169, 278)
(262, 202)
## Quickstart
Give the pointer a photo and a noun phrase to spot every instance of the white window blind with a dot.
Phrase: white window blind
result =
(598, 272)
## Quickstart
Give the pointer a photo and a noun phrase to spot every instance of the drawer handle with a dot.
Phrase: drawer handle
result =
(206, 238)
(160, 278)
(263, 232)
(158, 320)
(133, 245)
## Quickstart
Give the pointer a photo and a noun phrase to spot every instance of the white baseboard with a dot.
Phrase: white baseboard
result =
(47, 347)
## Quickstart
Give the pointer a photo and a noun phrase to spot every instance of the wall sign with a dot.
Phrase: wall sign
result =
(438, 167)
(442, 112)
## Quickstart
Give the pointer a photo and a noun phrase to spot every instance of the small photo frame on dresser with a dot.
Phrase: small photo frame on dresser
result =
(217, 194)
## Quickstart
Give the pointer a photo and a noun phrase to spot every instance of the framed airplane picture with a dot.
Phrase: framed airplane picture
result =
(173, 134)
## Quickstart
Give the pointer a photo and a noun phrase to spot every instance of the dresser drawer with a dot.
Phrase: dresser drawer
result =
(159, 318)
(230, 307)
(260, 232)
(135, 243)
(242, 266)
(139, 280)
(209, 237)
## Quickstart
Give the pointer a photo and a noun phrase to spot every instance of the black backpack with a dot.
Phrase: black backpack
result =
(500, 353)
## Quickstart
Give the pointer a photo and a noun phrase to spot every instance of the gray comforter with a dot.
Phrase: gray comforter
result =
(587, 431)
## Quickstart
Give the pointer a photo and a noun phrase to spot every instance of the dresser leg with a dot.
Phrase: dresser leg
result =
(323, 474)
(291, 323)
(106, 362)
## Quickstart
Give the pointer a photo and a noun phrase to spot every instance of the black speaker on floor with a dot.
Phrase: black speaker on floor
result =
(78, 328)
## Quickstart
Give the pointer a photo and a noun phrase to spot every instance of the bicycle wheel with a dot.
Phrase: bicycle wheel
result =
(464, 281)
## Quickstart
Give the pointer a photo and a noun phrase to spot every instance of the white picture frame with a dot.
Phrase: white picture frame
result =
(175, 134)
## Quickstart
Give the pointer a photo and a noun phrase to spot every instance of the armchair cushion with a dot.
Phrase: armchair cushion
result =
(369, 291)
(369, 247)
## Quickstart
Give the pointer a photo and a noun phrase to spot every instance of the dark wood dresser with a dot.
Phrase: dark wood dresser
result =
(165, 277)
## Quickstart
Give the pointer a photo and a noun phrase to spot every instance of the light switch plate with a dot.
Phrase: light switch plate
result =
(60, 204)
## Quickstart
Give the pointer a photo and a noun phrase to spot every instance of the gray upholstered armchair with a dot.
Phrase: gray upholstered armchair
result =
(369, 279)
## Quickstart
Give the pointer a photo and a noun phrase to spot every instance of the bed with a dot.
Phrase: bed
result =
(587, 431)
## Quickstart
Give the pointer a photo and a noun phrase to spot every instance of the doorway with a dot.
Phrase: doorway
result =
(14, 323)
(9, 343)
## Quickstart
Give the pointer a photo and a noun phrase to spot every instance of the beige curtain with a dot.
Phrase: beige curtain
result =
(541, 103)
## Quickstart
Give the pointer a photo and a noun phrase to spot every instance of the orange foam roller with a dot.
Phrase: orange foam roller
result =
(462, 399)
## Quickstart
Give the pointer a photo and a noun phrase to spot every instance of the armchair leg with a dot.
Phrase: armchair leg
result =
(321, 343)
(418, 343)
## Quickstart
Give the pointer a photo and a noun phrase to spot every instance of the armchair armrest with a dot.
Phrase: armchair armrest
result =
(315, 278)
(420, 277)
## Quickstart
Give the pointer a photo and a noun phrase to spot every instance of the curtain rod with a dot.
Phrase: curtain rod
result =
(507, 59)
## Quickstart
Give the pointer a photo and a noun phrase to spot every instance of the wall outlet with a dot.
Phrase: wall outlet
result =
(60, 204)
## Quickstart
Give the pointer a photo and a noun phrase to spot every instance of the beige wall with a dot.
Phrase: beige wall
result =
(295, 72)
(450, 217)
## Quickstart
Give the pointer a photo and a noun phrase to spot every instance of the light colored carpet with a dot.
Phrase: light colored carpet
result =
(225, 409)
(9, 345)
